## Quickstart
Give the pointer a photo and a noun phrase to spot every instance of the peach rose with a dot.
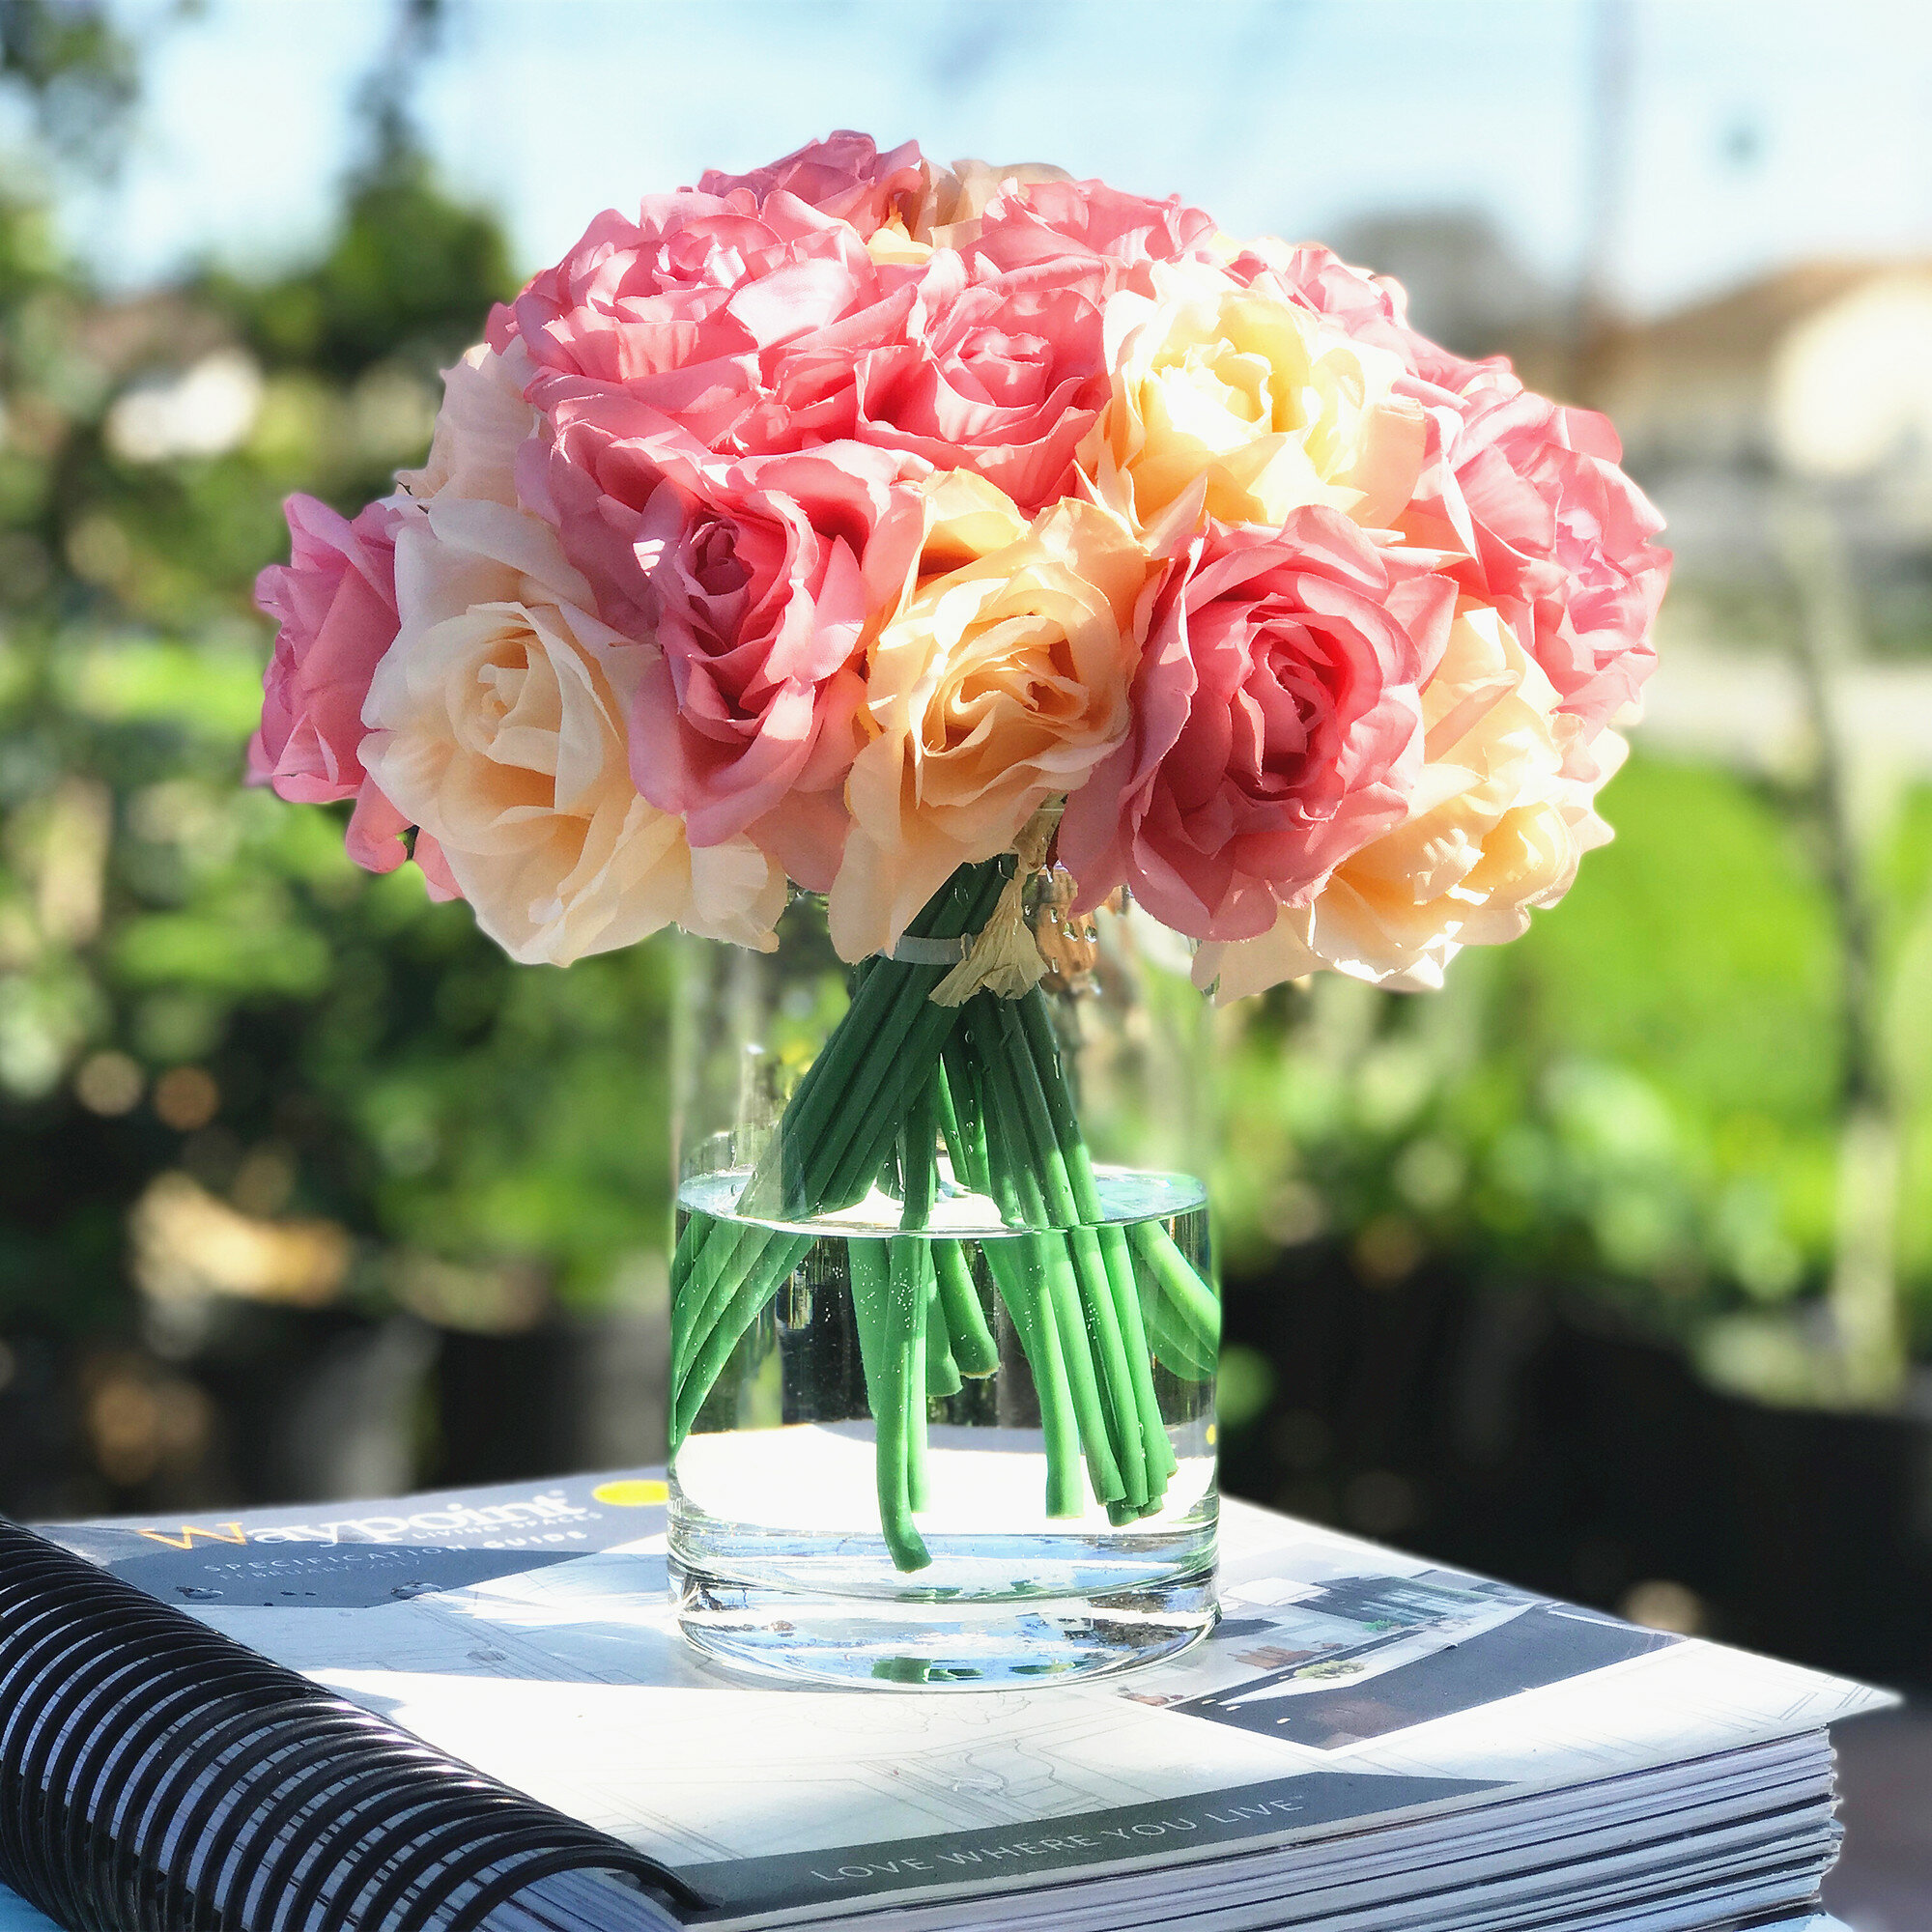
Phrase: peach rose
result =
(482, 423)
(1503, 810)
(1277, 723)
(498, 724)
(1558, 537)
(1240, 402)
(998, 685)
(958, 195)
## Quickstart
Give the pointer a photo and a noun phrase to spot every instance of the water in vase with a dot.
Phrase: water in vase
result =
(989, 1543)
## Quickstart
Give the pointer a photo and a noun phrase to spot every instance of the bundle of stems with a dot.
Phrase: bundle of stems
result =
(1094, 1304)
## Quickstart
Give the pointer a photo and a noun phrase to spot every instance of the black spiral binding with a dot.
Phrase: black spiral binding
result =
(157, 1777)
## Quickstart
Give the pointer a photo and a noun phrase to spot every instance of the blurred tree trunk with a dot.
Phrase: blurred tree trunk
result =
(1593, 320)
(1865, 1292)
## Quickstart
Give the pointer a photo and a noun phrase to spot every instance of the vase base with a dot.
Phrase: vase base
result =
(990, 1644)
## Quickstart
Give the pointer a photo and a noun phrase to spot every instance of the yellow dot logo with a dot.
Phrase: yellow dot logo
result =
(631, 1495)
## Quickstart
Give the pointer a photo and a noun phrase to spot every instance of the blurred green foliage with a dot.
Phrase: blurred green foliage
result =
(193, 979)
(1639, 1098)
(401, 284)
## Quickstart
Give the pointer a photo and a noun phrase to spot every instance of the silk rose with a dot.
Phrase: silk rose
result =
(1277, 725)
(844, 175)
(998, 685)
(755, 583)
(1531, 493)
(738, 320)
(994, 374)
(334, 606)
(1240, 403)
(497, 725)
(1502, 811)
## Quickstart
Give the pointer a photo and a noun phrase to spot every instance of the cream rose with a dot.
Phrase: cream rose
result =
(1503, 811)
(1234, 399)
(998, 685)
(498, 726)
(481, 425)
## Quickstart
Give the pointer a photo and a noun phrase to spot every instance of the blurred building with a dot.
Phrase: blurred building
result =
(1817, 377)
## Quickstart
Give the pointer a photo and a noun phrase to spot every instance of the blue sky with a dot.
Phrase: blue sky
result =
(1760, 132)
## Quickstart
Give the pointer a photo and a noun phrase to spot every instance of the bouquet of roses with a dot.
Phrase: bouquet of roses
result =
(892, 531)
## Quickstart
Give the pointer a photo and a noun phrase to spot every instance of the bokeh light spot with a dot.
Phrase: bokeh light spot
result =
(186, 1097)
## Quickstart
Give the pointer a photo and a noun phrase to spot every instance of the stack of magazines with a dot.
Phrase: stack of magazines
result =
(473, 1710)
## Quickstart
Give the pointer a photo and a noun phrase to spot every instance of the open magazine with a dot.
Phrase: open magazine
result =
(1367, 1739)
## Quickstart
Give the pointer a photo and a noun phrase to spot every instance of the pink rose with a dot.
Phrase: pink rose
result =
(1501, 814)
(1560, 538)
(1039, 227)
(996, 373)
(844, 175)
(1555, 535)
(737, 321)
(1277, 726)
(334, 602)
(757, 579)
(1365, 305)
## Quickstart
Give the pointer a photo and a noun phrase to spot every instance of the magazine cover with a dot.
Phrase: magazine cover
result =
(526, 1630)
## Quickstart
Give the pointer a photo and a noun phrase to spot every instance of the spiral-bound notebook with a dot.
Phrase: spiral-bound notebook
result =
(473, 1710)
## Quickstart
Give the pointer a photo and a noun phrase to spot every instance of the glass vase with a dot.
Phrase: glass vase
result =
(944, 1319)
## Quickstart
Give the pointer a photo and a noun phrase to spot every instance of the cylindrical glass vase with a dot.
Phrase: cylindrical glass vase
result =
(944, 1309)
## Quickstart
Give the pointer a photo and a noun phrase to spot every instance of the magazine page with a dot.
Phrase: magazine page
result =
(526, 1630)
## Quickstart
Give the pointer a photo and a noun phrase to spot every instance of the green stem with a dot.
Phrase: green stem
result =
(694, 1293)
(864, 1129)
(1093, 1302)
(887, 1358)
(885, 1005)
(962, 1087)
(1171, 1342)
(949, 1128)
(1005, 1122)
(1097, 1293)
(1192, 1301)
(1018, 1267)
(974, 1349)
(1117, 1384)
(912, 1279)
(942, 1366)
(772, 1265)
(846, 1094)
(865, 1270)
(1162, 1461)
(908, 1318)
(1036, 1025)
(919, 1167)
